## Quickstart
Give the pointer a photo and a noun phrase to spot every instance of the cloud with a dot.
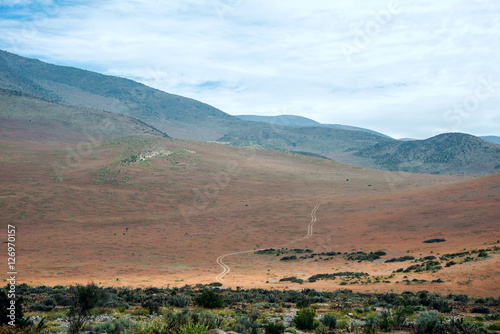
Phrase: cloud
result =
(397, 67)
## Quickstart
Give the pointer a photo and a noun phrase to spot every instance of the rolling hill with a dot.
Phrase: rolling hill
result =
(299, 121)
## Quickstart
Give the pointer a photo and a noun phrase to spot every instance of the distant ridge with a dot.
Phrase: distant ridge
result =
(493, 139)
(449, 153)
(299, 121)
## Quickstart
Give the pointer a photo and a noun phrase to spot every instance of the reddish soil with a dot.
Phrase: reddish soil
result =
(166, 222)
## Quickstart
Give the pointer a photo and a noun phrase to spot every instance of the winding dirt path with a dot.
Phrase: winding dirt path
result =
(225, 267)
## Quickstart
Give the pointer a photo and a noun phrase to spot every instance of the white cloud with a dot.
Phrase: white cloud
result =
(394, 66)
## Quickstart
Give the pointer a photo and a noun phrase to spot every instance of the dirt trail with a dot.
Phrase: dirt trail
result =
(225, 267)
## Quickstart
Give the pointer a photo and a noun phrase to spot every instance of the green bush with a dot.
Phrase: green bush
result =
(329, 320)
(193, 329)
(174, 322)
(385, 321)
(304, 302)
(480, 309)
(429, 322)
(274, 327)
(179, 301)
(209, 299)
(153, 304)
(495, 326)
(399, 316)
(41, 307)
(305, 318)
(107, 326)
(371, 324)
(85, 298)
(245, 324)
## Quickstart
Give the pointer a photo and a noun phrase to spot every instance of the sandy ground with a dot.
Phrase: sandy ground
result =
(165, 223)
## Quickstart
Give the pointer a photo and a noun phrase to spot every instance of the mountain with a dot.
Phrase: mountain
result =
(299, 121)
(493, 139)
(450, 153)
(55, 87)
(24, 117)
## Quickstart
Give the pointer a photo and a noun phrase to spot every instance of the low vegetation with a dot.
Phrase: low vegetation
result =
(94, 309)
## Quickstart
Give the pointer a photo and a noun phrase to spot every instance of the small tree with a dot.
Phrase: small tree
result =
(305, 319)
(85, 298)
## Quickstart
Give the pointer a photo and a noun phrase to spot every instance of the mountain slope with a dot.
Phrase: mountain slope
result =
(23, 117)
(299, 121)
(450, 153)
(179, 116)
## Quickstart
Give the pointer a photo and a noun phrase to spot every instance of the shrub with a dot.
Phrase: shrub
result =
(245, 324)
(385, 321)
(494, 316)
(495, 326)
(153, 304)
(428, 322)
(179, 301)
(193, 329)
(430, 241)
(440, 304)
(370, 325)
(321, 329)
(85, 298)
(62, 300)
(41, 307)
(274, 327)
(305, 318)
(304, 302)
(209, 299)
(329, 320)
(399, 316)
(107, 326)
(174, 322)
(480, 309)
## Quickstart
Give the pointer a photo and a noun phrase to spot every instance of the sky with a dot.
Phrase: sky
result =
(406, 68)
